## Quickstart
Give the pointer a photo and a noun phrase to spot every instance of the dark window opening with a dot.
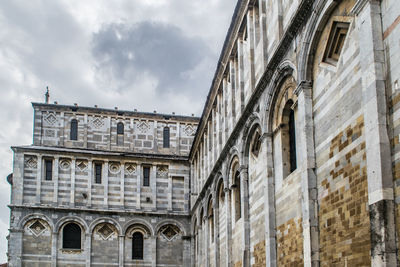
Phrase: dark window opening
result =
(120, 128)
(146, 176)
(238, 204)
(137, 246)
(97, 172)
(292, 141)
(166, 137)
(48, 164)
(335, 43)
(72, 236)
(74, 130)
(255, 149)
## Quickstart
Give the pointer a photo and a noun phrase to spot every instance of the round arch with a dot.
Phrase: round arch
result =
(34, 216)
(141, 223)
(173, 222)
(98, 221)
(69, 219)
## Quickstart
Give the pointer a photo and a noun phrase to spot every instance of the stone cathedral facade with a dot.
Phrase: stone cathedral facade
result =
(295, 160)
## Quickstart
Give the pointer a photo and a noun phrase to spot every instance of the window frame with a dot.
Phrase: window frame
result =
(73, 134)
(146, 179)
(120, 131)
(98, 173)
(48, 174)
(139, 256)
(75, 239)
(166, 137)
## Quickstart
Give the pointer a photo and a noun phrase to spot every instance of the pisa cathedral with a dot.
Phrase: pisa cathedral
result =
(295, 160)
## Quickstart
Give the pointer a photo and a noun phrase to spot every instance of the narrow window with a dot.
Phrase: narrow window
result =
(146, 176)
(336, 40)
(292, 141)
(72, 236)
(74, 130)
(97, 170)
(166, 137)
(120, 128)
(48, 169)
(238, 205)
(137, 246)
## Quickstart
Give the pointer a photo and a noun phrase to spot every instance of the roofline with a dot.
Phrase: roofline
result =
(118, 111)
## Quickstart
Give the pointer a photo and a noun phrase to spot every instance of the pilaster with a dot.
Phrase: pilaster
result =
(39, 178)
(244, 195)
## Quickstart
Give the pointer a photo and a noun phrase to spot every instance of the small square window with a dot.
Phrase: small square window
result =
(335, 43)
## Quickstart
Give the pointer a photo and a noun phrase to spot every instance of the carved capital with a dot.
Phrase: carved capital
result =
(303, 85)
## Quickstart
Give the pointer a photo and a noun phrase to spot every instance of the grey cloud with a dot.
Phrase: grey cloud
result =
(164, 51)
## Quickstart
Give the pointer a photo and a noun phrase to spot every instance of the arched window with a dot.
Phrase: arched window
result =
(166, 137)
(137, 246)
(74, 130)
(211, 220)
(120, 128)
(72, 236)
(238, 204)
(292, 141)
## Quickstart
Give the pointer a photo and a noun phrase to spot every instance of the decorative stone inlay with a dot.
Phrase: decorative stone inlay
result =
(114, 167)
(189, 130)
(169, 232)
(65, 164)
(31, 162)
(162, 171)
(81, 165)
(105, 231)
(97, 122)
(50, 133)
(130, 168)
(37, 228)
(51, 119)
(143, 127)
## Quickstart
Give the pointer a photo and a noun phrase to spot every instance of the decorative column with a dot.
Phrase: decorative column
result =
(54, 246)
(186, 250)
(153, 185)
(154, 250)
(206, 238)
(228, 204)
(306, 165)
(244, 195)
(368, 21)
(88, 248)
(90, 179)
(55, 179)
(105, 183)
(138, 185)
(39, 178)
(72, 197)
(121, 250)
(122, 194)
(216, 229)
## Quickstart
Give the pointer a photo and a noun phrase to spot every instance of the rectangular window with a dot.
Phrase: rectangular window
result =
(97, 172)
(166, 137)
(48, 169)
(146, 176)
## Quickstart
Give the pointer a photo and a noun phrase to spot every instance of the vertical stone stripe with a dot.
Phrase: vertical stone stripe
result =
(153, 184)
(62, 131)
(138, 185)
(216, 230)
(306, 164)
(18, 179)
(154, 251)
(90, 179)
(54, 249)
(244, 195)
(122, 200)
(105, 183)
(378, 153)
(178, 138)
(55, 179)
(88, 248)
(121, 250)
(206, 243)
(85, 131)
(169, 192)
(38, 178)
(73, 165)
(228, 226)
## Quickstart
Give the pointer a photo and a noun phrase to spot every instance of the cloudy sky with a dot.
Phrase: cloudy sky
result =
(144, 54)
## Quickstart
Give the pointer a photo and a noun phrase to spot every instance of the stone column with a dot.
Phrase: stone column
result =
(228, 204)
(88, 248)
(90, 179)
(105, 183)
(251, 44)
(154, 251)
(55, 179)
(15, 248)
(186, 250)
(169, 194)
(138, 185)
(244, 195)
(206, 238)
(18, 179)
(121, 250)
(153, 185)
(54, 248)
(216, 229)
(269, 203)
(122, 194)
(72, 197)
(368, 21)
(39, 178)
(306, 165)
